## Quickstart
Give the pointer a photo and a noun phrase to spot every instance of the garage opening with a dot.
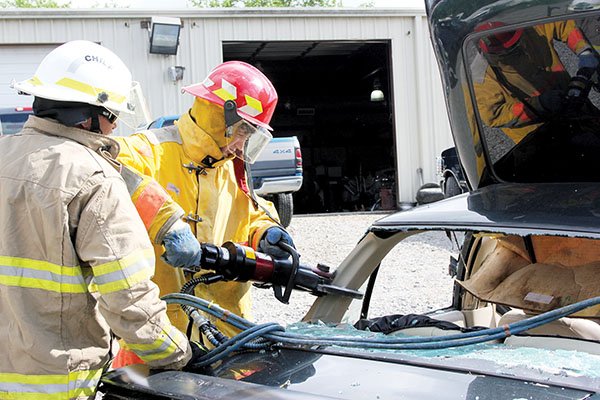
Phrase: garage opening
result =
(336, 97)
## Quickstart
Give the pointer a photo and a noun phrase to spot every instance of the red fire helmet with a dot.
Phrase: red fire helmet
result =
(250, 89)
(498, 43)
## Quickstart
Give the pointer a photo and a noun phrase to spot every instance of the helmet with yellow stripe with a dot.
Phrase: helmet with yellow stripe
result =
(252, 92)
(248, 99)
(83, 72)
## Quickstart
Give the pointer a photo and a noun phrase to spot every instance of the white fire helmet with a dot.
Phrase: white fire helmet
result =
(84, 72)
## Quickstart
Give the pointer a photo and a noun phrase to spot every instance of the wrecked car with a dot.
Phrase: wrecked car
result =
(521, 80)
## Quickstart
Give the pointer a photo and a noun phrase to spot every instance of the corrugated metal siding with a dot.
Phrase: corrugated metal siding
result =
(421, 123)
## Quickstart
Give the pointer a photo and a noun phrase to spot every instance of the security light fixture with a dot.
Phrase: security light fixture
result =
(164, 35)
(377, 94)
(176, 73)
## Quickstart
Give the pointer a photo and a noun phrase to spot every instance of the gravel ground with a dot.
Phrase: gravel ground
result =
(413, 277)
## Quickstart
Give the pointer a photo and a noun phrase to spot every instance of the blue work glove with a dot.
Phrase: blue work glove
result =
(182, 249)
(268, 243)
(588, 63)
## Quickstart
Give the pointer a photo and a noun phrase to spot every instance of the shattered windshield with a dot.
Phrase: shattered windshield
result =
(537, 98)
(498, 357)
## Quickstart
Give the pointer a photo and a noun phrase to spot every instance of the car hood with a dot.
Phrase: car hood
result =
(565, 209)
(299, 374)
(452, 23)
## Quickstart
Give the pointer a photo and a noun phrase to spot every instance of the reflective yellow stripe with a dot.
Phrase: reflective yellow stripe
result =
(123, 273)
(227, 91)
(89, 89)
(35, 81)
(72, 385)
(253, 106)
(122, 284)
(39, 265)
(113, 266)
(164, 346)
(224, 94)
(24, 272)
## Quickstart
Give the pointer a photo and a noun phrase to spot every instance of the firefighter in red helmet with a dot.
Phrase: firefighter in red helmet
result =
(498, 43)
(519, 78)
(200, 161)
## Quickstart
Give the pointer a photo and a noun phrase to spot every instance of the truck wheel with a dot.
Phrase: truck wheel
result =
(284, 203)
(429, 193)
(451, 187)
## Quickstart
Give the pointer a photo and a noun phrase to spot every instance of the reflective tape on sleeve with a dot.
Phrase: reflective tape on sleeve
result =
(49, 387)
(164, 346)
(35, 274)
(124, 273)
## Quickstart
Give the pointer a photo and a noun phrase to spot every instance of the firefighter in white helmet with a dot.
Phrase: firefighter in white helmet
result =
(76, 259)
(200, 162)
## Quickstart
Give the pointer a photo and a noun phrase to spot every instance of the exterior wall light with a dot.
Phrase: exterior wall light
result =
(176, 73)
(377, 94)
(164, 35)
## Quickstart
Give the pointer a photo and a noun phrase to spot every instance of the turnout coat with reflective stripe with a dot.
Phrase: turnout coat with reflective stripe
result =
(75, 263)
(218, 209)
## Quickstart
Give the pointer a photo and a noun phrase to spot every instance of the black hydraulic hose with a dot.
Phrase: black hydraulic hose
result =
(205, 325)
(236, 343)
(209, 278)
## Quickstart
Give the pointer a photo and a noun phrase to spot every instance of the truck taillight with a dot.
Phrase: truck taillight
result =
(23, 108)
(298, 157)
(439, 166)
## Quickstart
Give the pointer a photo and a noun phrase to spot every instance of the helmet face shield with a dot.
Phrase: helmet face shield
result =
(246, 141)
(138, 114)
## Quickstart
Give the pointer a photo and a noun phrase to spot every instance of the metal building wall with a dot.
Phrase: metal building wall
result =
(421, 123)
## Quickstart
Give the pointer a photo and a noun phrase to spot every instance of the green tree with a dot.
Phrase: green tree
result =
(33, 4)
(266, 3)
(109, 4)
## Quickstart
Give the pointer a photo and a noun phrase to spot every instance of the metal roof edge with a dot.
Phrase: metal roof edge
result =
(187, 13)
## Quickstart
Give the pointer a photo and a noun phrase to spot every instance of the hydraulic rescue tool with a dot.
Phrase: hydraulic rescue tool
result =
(234, 262)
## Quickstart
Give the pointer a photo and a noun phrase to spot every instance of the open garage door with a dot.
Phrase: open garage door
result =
(336, 97)
(18, 62)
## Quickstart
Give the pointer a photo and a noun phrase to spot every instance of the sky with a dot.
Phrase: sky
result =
(159, 4)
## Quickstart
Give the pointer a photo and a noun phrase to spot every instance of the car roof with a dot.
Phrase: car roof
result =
(559, 209)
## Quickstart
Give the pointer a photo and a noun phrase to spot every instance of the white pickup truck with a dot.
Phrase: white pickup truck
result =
(276, 174)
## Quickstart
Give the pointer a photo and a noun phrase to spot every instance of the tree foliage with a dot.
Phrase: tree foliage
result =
(33, 4)
(265, 3)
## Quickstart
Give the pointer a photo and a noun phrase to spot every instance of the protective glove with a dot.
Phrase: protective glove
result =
(198, 351)
(268, 243)
(552, 100)
(577, 92)
(588, 63)
(182, 249)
